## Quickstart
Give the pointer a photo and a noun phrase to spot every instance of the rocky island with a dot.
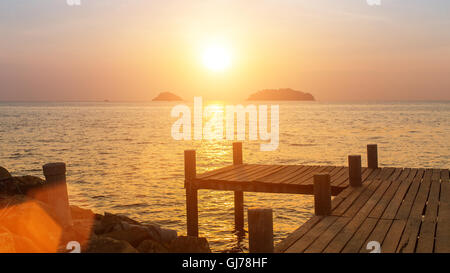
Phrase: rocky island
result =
(167, 96)
(280, 95)
(29, 224)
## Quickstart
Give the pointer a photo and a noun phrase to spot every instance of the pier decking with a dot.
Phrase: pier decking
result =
(404, 210)
(397, 209)
(296, 179)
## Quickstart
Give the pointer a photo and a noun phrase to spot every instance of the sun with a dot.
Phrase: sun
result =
(216, 58)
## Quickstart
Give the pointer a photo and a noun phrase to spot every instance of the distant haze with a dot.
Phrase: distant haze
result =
(132, 50)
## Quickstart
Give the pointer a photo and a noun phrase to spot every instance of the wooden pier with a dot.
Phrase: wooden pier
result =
(391, 209)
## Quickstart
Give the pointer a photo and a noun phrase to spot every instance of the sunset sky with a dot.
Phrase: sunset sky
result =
(132, 50)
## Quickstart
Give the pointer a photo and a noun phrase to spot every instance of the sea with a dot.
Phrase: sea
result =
(122, 157)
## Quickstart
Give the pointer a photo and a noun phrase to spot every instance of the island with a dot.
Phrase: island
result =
(167, 96)
(280, 94)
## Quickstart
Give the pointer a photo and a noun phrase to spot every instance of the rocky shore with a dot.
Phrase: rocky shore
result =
(28, 225)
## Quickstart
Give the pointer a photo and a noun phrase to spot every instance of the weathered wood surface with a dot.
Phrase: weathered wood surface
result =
(296, 179)
(405, 210)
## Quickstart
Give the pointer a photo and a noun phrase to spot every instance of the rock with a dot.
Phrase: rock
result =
(12, 243)
(167, 235)
(4, 174)
(6, 241)
(161, 234)
(134, 235)
(189, 244)
(112, 222)
(81, 232)
(80, 213)
(31, 219)
(101, 244)
(22, 185)
(150, 246)
(25, 245)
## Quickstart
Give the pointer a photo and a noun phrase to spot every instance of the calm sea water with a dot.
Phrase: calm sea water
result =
(121, 157)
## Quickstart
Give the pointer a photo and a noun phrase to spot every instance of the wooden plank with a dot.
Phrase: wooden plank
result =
(256, 173)
(353, 194)
(405, 207)
(360, 210)
(252, 187)
(267, 172)
(276, 177)
(442, 243)
(344, 182)
(396, 200)
(348, 201)
(340, 210)
(220, 175)
(378, 234)
(374, 174)
(428, 227)
(343, 179)
(335, 171)
(246, 174)
(385, 173)
(392, 239)
(366, 173)
(369, 197)
(243, 173)
(422, 196)
(324, 239)
(342, 171)
(309, 173)
(408, 240)
(387, 197)
(216, 171)
(297, 234)
(308, 179)
(360, 236)
(287, 176)
(395, 174)
(312, 234)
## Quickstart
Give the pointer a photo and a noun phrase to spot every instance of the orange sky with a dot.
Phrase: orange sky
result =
(132, 50)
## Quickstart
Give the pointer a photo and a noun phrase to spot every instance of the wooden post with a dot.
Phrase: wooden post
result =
(354, 169)
(190, 173)
(56, 191)
(238, 195)
(260, 230)
(372, 156)
(322, 194)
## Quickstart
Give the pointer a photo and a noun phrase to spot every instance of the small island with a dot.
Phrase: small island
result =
(167, 96)
(280, 94)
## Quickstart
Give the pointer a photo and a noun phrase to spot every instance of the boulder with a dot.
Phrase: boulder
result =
(81, 232)
(189, 244)
(133, 235)
(112, 222)
(6, 241)
(4, 174)
(25, 245)
(161, 234)
(80, 213)
(167, 235)
(101, 244)
(150, 246)
(22, 185)
(32, 219)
